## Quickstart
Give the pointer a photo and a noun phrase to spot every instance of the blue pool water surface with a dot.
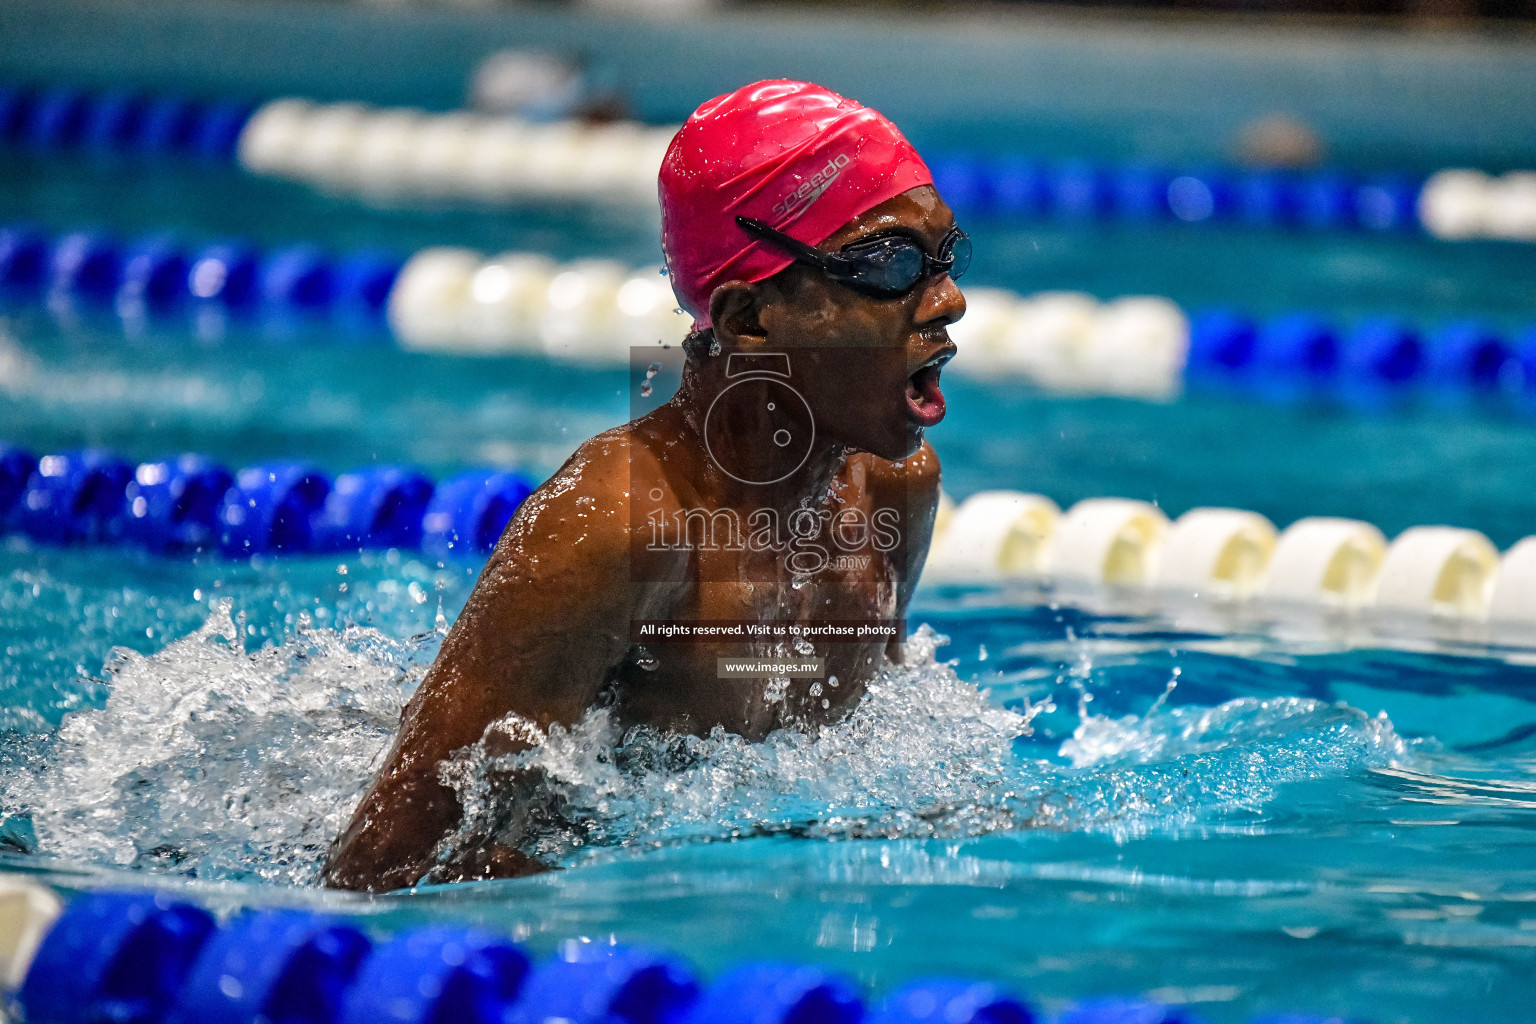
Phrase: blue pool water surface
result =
(1074, 801)
(1075, 796)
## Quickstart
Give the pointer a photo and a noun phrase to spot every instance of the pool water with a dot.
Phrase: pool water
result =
(1075, 794)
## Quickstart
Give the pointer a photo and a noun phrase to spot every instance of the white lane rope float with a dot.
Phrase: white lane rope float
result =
(402, 152)
(456, 300)
(399, 153)
(1233, 555)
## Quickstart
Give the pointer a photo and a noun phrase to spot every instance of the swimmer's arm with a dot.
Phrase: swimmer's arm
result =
(546, 623)
(917, 482)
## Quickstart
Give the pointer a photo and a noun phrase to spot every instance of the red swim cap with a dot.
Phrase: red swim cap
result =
(790, 154)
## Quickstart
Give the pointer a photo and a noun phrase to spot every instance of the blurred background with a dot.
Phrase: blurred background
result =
(399, 259)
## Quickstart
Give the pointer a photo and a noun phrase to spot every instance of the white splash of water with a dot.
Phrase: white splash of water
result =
(921, 738)
(924, 754)
(1164, 734)
(211, 760)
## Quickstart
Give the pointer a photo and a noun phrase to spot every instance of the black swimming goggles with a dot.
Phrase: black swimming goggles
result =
(885, 266)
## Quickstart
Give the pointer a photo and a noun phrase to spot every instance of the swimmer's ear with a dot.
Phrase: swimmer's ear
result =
(733, 309)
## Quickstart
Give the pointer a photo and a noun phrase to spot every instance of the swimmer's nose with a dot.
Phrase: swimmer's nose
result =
(942, 303)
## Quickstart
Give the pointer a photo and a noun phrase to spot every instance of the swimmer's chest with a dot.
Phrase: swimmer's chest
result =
(843, 571)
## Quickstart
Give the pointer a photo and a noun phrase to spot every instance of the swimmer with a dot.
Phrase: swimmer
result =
(787, 481)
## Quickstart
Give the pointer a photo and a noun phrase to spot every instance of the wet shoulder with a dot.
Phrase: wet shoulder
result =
(582, 509)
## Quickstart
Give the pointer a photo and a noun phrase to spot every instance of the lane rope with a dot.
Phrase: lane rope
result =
(1231, 556)
(455, 300)
(192, 504)
(142, 957)
(401, 153)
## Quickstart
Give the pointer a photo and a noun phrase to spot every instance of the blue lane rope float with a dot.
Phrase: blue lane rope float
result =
(136, 959)
(940, 1000)
(1078, 190)
(1464, 354)
(273, 965)
(73, 498)
(756, 992)
(156, 273)
(46, 119)
(437, 974)
(587, 982)
(190, 504)
(114, 957)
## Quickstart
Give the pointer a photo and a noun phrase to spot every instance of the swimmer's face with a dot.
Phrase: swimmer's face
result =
(868, 366)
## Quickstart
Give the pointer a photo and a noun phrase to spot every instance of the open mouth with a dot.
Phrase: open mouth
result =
(925, 402)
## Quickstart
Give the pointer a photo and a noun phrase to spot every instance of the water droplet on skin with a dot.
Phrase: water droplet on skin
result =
(832, 682)
(645, 660)
(825, 703)
(714, 347)
(816, 689)
(804, 646)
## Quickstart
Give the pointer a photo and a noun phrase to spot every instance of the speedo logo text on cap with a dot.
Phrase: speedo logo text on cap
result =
(812, 188)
